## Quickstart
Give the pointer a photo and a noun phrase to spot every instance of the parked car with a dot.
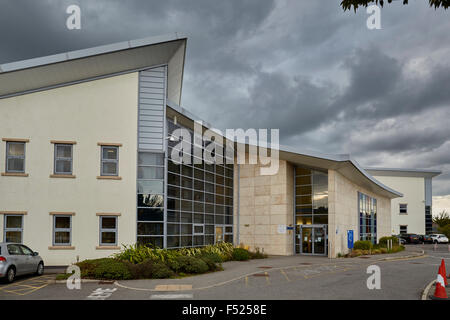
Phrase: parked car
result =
(400, 239)
(426, 238)
(439, 238)
(17, 259)
(411, 238)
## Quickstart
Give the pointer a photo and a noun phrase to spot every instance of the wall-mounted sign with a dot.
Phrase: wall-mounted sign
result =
(350, 239)
(281, 228)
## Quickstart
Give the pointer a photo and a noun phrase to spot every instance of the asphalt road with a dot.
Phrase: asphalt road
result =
(334, 279)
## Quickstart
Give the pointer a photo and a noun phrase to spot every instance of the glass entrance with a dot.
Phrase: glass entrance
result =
(313, 239)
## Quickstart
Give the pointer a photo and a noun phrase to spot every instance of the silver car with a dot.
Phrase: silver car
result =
(17, 259)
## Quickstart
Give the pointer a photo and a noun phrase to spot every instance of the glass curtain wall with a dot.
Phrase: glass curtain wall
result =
(311, 199)
(367, 218)
(199, 200)
(150, 199)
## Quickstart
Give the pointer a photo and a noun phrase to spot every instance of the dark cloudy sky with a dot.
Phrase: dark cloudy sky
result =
(306, 67)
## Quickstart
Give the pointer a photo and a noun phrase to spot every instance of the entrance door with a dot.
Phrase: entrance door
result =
(313, 239)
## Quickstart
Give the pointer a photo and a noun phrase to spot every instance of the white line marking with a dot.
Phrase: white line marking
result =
(171, 296)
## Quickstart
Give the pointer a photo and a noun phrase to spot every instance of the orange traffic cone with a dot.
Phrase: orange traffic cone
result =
(440, 293)
(444, 272)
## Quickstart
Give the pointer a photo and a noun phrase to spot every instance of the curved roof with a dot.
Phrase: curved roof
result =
(343, 163)
(89, 64)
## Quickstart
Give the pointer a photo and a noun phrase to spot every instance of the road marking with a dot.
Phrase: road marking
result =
(267, 277)
(173, 287)
(171, 296)
(285, 275)
(27, 286)
(101, 294)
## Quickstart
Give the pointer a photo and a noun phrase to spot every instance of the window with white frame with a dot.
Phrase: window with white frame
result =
(108, 231)
(403, 208)
(13, 230)
(62, 230)
(15, 157)
(403, 229)
(63, 159)
(109, 161)
(198, 229)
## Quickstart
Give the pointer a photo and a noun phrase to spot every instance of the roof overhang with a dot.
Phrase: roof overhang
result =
(396, 172)
(88, 64)
(342, 163)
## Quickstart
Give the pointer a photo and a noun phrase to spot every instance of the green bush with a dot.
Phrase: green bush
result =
(189, 264)
(213, 260)
(139, 253)
(396, 249)
(257, 254)
(240, 254)
(384, 240)
(150, 269)
(362, 245)
(106, 269)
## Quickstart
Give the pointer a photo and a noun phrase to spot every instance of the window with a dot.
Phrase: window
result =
(403, 208)
(108, 231)
(199, 229)
(367, 207)
(15, 157)
(110, 161)
(403, 229)
(63, 159)
(26, 251)
(13, 228)
(62, 230)
(14, 250)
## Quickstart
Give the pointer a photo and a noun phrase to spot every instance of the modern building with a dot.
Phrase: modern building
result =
(85, 155)
(413, 212)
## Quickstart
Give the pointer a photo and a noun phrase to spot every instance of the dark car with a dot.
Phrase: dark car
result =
(410, 238)
(425, 239)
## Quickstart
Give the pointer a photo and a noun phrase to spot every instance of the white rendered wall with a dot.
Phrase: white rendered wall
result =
(88, 113)
(413, 190)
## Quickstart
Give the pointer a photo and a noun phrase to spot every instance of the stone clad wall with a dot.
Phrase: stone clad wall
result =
(265, 203)
(343, 212)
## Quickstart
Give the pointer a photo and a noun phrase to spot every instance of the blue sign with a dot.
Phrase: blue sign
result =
(290, 228)
(350, 239)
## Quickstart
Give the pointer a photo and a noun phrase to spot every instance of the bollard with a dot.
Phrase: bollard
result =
(435, 246)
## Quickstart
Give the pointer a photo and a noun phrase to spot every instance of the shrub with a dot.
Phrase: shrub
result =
(240, 254)
(362, 245)
(376, 251)
(355, 253)
(383, 250)
(189, 264)
(384, 240)
(257, 254)
(396, 249)
(150, 269)
(139, 253)
(106, 268)
(210, 261)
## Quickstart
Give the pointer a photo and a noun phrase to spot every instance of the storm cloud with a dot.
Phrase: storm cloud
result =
(306, 67)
